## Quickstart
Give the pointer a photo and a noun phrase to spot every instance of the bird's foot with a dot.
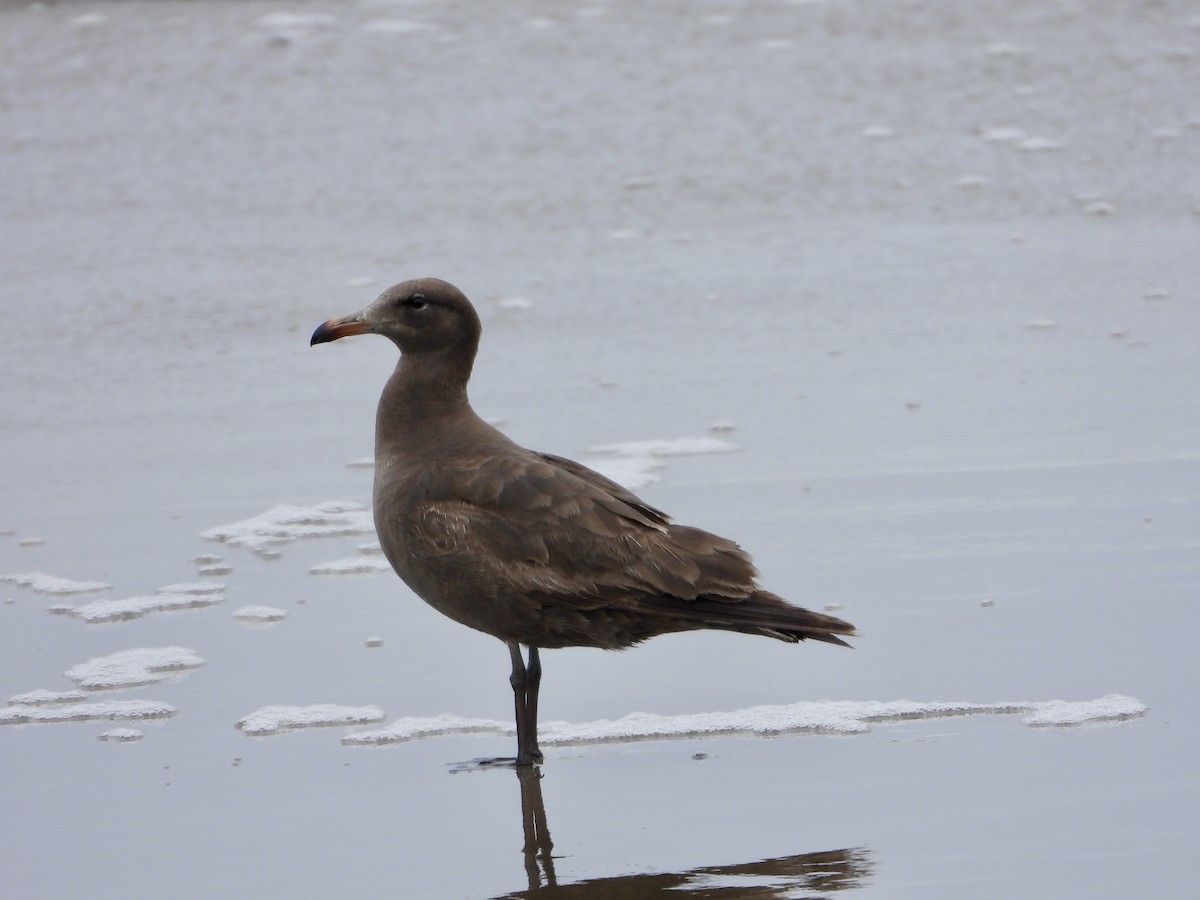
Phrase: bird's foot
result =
(493, 762)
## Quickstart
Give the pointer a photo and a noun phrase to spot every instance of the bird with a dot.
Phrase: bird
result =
(534, 549)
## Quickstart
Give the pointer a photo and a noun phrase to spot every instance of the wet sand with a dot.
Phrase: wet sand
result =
(947, 249)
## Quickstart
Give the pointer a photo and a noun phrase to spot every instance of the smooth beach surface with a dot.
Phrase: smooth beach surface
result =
(903, 297)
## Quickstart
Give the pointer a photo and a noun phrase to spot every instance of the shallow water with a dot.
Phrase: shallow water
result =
(930, 268)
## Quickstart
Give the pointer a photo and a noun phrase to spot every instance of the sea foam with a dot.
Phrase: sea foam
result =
(845, 717)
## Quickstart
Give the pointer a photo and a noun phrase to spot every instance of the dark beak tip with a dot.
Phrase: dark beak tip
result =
(336, 329)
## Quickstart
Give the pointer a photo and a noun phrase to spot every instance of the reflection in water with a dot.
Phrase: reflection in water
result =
(539, 861)
(813, 874)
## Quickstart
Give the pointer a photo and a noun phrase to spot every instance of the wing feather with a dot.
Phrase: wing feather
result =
(554, 530)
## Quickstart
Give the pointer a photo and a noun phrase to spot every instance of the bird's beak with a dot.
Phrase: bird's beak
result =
(355, 323)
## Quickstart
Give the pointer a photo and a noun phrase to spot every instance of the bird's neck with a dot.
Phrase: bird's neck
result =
(424, 389)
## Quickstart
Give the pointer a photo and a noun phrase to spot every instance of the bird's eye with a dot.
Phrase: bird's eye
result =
(417, 301)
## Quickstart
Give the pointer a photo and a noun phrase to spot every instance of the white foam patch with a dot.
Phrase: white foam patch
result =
(269, 720)
(286, 523)
(1002, 135)
(260, 614)
(667, 447)
(135, 607)
(824, 717)
(84, 712)
(412, 728)
(1065, 714)
(289, 21)
(637, 464)
(43, 697)
(194, 587)
(121, 735)
(634, 472)
(1004, 48)
(52, 584)
(354, 565)
(516, 302)
(1039, 144)
(396, 26)
(88, 20)
(132, 668)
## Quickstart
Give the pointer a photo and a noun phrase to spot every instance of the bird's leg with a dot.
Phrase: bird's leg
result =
(524, 683)
(534, 675)
(519, 679)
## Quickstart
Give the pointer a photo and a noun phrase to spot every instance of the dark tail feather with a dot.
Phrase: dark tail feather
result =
(762, 613)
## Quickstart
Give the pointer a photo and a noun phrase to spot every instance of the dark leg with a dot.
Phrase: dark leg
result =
(525, 683)
(534, 675)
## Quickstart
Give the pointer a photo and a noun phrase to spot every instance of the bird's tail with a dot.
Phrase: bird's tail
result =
(767, 614)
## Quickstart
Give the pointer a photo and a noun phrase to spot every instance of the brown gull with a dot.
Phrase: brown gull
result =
(529, 547)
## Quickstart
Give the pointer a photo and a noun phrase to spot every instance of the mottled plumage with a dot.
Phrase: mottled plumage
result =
(529, 547)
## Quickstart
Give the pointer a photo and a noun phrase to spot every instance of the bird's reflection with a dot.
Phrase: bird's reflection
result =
(539, 861)
(810, 873)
